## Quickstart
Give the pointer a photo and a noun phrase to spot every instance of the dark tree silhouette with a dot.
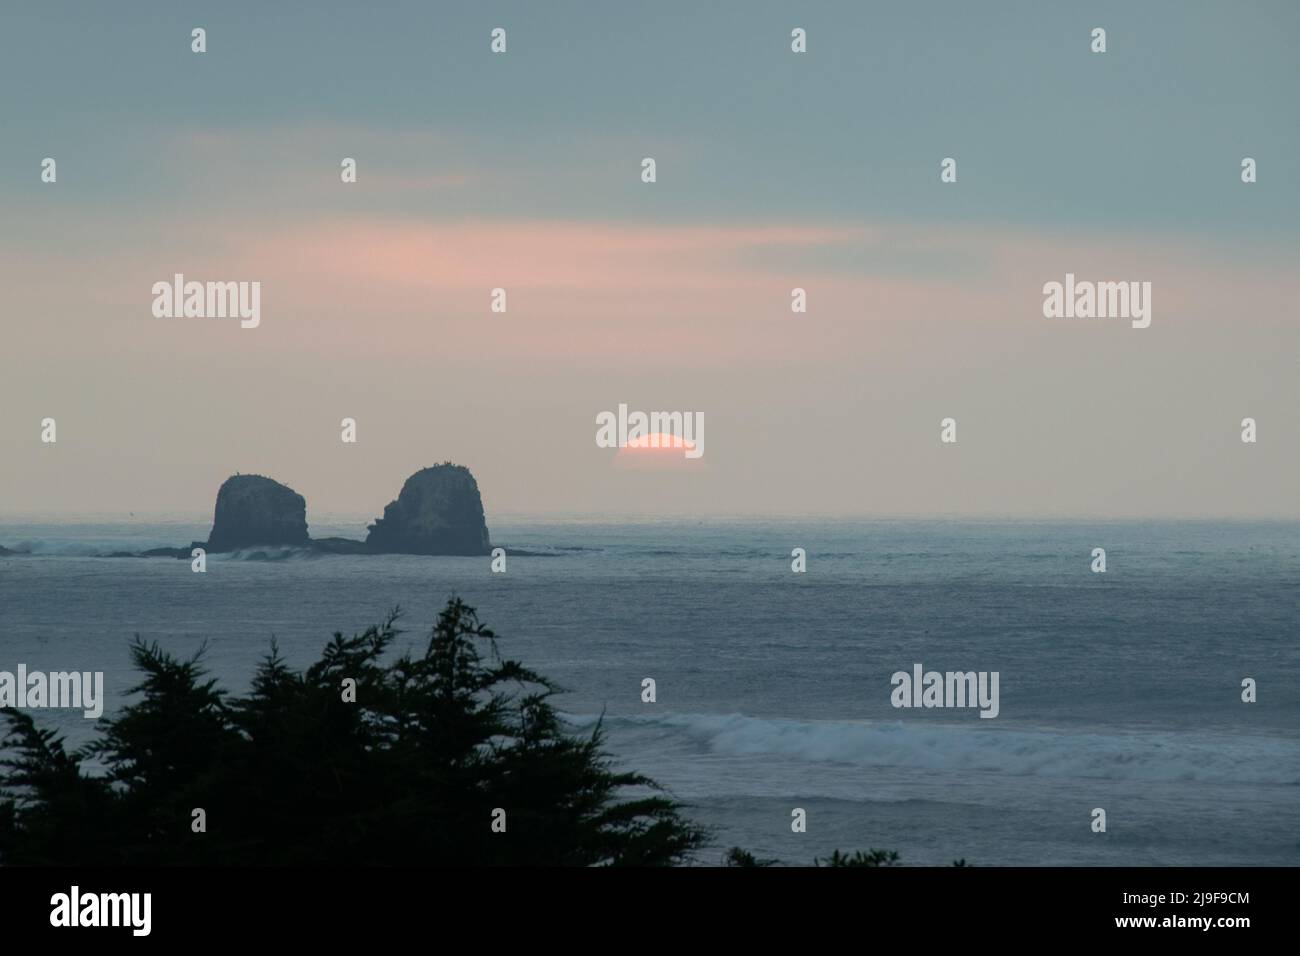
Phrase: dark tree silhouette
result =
(871, 858)
(740, 857)
(409, 772)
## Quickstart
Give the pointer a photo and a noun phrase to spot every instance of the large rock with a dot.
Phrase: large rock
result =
(439, 511)
(252, 510)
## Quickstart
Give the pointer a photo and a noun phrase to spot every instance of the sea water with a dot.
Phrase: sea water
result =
(1119, 690)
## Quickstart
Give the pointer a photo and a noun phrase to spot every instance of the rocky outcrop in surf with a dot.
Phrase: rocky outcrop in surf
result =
(438, 511)
(254, 510)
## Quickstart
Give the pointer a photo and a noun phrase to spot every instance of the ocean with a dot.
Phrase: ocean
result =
(1120, 690)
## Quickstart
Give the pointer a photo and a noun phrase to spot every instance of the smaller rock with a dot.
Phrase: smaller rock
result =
(255, 510)
(171, 552)
(339, 546)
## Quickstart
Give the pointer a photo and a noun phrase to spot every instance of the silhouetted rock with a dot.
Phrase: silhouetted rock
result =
(339, 546)
(439, 511)
(253, 510)
(159, 552)
(171, 552)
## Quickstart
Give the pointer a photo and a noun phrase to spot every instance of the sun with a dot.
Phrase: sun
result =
(656, 451)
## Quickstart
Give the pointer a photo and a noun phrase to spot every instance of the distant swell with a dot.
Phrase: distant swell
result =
(120, 549)
(1161, 756)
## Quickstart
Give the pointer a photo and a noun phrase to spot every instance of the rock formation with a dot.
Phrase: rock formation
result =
(253, 510)
(339, 546)
(439, 511)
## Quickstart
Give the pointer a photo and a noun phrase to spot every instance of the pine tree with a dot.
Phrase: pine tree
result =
(407, 773)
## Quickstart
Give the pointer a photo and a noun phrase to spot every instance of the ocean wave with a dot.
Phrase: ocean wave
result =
(69, 548)
(40, 548)
(1135, 755)
(262, 553)
(544, 550)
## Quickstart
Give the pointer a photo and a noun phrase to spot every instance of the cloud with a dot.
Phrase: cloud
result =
(614, 291)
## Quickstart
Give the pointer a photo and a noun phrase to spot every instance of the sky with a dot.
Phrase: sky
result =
(775, 170)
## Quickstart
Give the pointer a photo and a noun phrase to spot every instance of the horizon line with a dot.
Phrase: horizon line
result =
(126, 517)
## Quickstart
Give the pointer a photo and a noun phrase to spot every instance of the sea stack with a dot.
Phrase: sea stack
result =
(439, 511)
(253, 510)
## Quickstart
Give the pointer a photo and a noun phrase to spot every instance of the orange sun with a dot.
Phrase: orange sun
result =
(655, 451)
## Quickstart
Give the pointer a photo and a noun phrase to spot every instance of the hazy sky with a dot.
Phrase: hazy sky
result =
(775, 170)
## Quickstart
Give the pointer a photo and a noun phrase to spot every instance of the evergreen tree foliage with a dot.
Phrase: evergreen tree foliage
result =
(410, 773)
